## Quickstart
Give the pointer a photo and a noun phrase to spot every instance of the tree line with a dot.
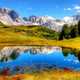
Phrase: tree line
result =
(71, 31)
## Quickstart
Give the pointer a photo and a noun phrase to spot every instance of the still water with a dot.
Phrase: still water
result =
(44, 57)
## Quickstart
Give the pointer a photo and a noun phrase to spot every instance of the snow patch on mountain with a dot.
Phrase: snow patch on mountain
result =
(11, 17)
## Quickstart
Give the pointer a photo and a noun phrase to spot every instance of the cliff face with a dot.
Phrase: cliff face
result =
(10, 17)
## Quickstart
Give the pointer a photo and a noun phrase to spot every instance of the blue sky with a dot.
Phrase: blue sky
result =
(55, 8)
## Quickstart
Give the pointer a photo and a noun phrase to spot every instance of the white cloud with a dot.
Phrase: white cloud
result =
(77, 7)
(67, 9)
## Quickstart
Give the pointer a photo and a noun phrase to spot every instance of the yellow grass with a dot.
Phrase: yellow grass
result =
(72, 43)
(8, 37)
(45, 75)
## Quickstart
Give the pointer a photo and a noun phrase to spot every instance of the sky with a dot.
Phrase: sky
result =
(54, 8)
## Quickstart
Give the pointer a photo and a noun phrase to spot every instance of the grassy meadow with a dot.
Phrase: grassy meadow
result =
(33, 35)
(45, 75)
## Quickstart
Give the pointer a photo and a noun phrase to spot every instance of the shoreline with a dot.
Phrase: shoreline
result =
(49, 43)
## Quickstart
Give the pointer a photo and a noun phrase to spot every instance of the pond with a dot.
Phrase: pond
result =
(40, 58)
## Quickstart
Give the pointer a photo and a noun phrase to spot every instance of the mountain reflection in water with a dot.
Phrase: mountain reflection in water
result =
(50, 57)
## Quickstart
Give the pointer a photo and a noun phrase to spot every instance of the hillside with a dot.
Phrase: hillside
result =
(24, 34)
(33, 35)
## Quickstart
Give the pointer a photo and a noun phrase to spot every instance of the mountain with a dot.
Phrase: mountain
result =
(47, 21)
(53, 23)
(10, 17)
(76, 17)
(68, 19)
(71, 20)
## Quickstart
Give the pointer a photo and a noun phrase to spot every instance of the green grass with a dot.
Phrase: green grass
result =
(24, 34)
(33, 35)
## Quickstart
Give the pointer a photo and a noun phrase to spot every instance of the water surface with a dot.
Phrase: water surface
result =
(50, 57)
